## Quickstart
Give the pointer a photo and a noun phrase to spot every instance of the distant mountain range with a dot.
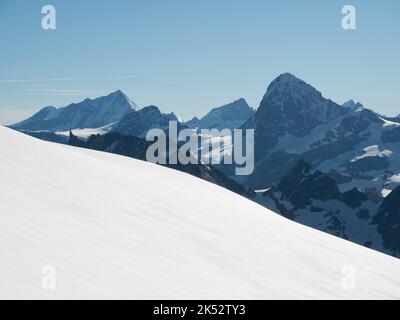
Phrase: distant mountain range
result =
(86, 114)
(329, 166)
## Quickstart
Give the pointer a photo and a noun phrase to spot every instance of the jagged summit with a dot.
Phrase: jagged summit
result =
(117, 93)
(290, 106)
(138, 123)
(288, 84)
(349, 104)
(151, 108)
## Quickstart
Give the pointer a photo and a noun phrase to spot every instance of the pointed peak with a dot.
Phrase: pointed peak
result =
(240, 100)
(117, 93)
(287, 77)
(349, 104)
(240, 103)
(48, 108)
(289, 82)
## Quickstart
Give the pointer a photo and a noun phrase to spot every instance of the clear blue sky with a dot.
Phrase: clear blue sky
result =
(188, 56)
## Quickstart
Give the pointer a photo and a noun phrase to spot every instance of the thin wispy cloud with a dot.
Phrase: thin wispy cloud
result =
(65, 79)
(16, 72)
(60, 92)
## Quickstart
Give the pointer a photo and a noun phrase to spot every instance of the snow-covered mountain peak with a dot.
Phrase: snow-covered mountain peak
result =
(234, 108)
(89, 113)
(229, 116)
(119, 96)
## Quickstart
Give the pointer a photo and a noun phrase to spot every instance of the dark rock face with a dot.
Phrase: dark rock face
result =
(138, 123)
(312, 198)
(291, 106)
(338, 177)
(345, 137)
(388, 221)
(391, 136)
(357, 122)
(302, 184)
(364, 214)
(271, 169)
(354, 199)
(328, 149)
(368, 164)
(114, 142)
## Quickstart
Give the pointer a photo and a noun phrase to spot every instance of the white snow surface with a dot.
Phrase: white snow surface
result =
(373, 151)
(389, 124)
(115, 227)
(84, 134)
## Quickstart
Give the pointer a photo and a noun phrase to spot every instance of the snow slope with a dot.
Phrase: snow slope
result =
(115, 227)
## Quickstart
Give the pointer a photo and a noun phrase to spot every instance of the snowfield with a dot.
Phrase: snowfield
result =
(114, 227)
